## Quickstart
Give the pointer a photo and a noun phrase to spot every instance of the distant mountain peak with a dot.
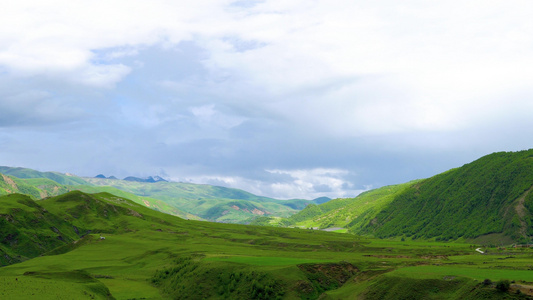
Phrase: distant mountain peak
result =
(147, 179)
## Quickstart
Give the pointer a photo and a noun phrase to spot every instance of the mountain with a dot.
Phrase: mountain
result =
(147, 179)
(488, 198)
(212, 203)
(186, 200)
(27, 229)
(34, 187)
(321, 200)
(100, 246)
(38, 188)
(24, 173)
(30, 228)
(348, 213)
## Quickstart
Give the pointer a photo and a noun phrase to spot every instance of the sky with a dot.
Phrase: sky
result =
(281, 98)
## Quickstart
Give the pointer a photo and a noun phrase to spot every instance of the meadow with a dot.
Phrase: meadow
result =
(101, 246)
(196, 260)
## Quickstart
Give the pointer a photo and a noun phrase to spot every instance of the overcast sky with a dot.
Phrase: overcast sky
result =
(282, 98)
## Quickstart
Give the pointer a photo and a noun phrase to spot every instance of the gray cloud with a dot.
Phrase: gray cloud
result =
(266, 96)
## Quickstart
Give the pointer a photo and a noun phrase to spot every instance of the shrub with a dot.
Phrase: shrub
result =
(503, 285)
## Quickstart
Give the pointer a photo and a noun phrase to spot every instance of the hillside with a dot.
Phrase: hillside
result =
(488, 198)
(100, 246)
(28, 229)
(186, 200)
(213, 203)
(348, 213)
(24, 173)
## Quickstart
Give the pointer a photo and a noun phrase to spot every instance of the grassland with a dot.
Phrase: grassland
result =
(213, 203)
(186, 200)
(150, 255)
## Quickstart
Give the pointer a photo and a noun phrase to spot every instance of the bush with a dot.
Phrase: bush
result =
(487, 282)
(503, 285)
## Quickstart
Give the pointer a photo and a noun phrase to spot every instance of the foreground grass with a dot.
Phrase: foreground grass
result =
(149, 255)
(123, 265)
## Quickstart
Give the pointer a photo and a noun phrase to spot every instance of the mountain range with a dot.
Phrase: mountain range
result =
(488, 200)
(444, 237)
(186, 200)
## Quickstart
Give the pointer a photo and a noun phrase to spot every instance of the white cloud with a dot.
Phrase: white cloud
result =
(280, 74)
(303, 183)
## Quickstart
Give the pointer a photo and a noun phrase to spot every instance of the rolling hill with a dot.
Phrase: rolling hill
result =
(212, 203)
(100, 246)
(488, 200)
(348, 213)
(186, 200)
(488, 197)
(25, 173)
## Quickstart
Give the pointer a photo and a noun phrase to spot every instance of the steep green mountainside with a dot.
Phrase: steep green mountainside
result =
(34, 187)
(346, 212)
(488, 197)
(100, 246)
(39, 188)
(24, 173)
(213, 203)
(28, 229)
(186, 200)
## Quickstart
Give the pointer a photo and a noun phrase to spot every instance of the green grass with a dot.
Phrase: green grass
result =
(209, 202)
(347, 213)
(147, 254)
(474, 272)
(266, 260)
(480, 198)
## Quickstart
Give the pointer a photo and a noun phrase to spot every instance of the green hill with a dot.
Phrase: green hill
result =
(186, 200)
(152, 203)
(24, 173)
(213, 203)
(28, 229)
(488, 197)
(10, 185)
(103, 212)
(100, 246)
(488, 200)
(346, 212)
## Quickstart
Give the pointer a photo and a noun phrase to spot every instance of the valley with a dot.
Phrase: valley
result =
(462, 234)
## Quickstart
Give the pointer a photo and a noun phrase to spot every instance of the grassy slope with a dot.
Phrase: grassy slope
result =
(192, 201)
(25, 173)
(490, 195)
(28, 230)
(39, 188)
(10, 185)
(348, 212)
(209, 202)
(147, 254)
(152, 203)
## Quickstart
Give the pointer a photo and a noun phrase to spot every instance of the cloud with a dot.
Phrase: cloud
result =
(289, 184)
(224, 90)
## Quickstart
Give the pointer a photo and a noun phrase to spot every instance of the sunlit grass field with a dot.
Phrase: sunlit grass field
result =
(150, 255)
